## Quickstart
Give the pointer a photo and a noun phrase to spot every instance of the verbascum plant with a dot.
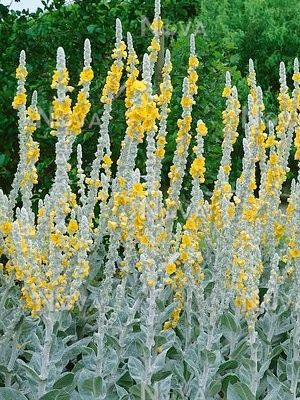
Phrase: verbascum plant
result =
(113, 287)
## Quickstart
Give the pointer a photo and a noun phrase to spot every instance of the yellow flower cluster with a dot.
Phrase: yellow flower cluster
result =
(177, 282)
(163, 101)
(221, 207)
(154, 48)
(198, 168)
(247, 274)
(21, 74)
(141, 117)
(79, 113)
(166, 88)
(63, 116)
(275, 176)
(132, 73)
(112, 83)
(44, 284)
(257, 130)
(183, 137)
(297, 143)
(60, 77)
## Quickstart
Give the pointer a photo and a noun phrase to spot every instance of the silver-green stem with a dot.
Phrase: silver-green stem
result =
(45, 358)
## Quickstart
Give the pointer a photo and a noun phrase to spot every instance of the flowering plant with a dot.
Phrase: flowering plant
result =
(115, 289)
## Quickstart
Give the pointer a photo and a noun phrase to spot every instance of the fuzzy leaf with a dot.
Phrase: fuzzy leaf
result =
(29, 372)
(136, 369)
(73, 350)
(91, 387)
(56, 395)
(65, 381)
(239, 391)
(11, 394)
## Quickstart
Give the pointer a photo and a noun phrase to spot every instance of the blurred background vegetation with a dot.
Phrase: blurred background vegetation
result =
(229, 32)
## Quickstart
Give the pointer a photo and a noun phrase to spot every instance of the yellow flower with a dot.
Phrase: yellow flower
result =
(226, 91)
(186, 240)
(155, 45)
(227, 188)
(151, 282)
(160, 153)
(296, 77)
(186, 101)
(250, 214)
(24, 247)
(56, 238)
(96, 183)
(138, 266)
(33, 114)
(227, 168)
(251, 304)
(19, 100)
(273, 159)
(295, 253)
(85, 268)
(161, 140)
(138, 190)
(21, 72)
(297, 143)
(193, 62)
(139, 222)
(167, 325)
(198, 168)
(86, 76)
(170, 268)
(192, 223)
(41, 212)
(231, 211)
(107, 160)
(278, 229)
(60, 77)
(72, 226)
(202, 129)
(112, 225)
(270, 141)
(122, 182)
(193, 77)
(157, 24)
(175, 316)
(72, 199)
(238, 302)
(252, 185)
(6, 227)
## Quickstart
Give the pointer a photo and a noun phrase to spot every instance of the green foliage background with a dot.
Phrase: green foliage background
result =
(230, 32)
